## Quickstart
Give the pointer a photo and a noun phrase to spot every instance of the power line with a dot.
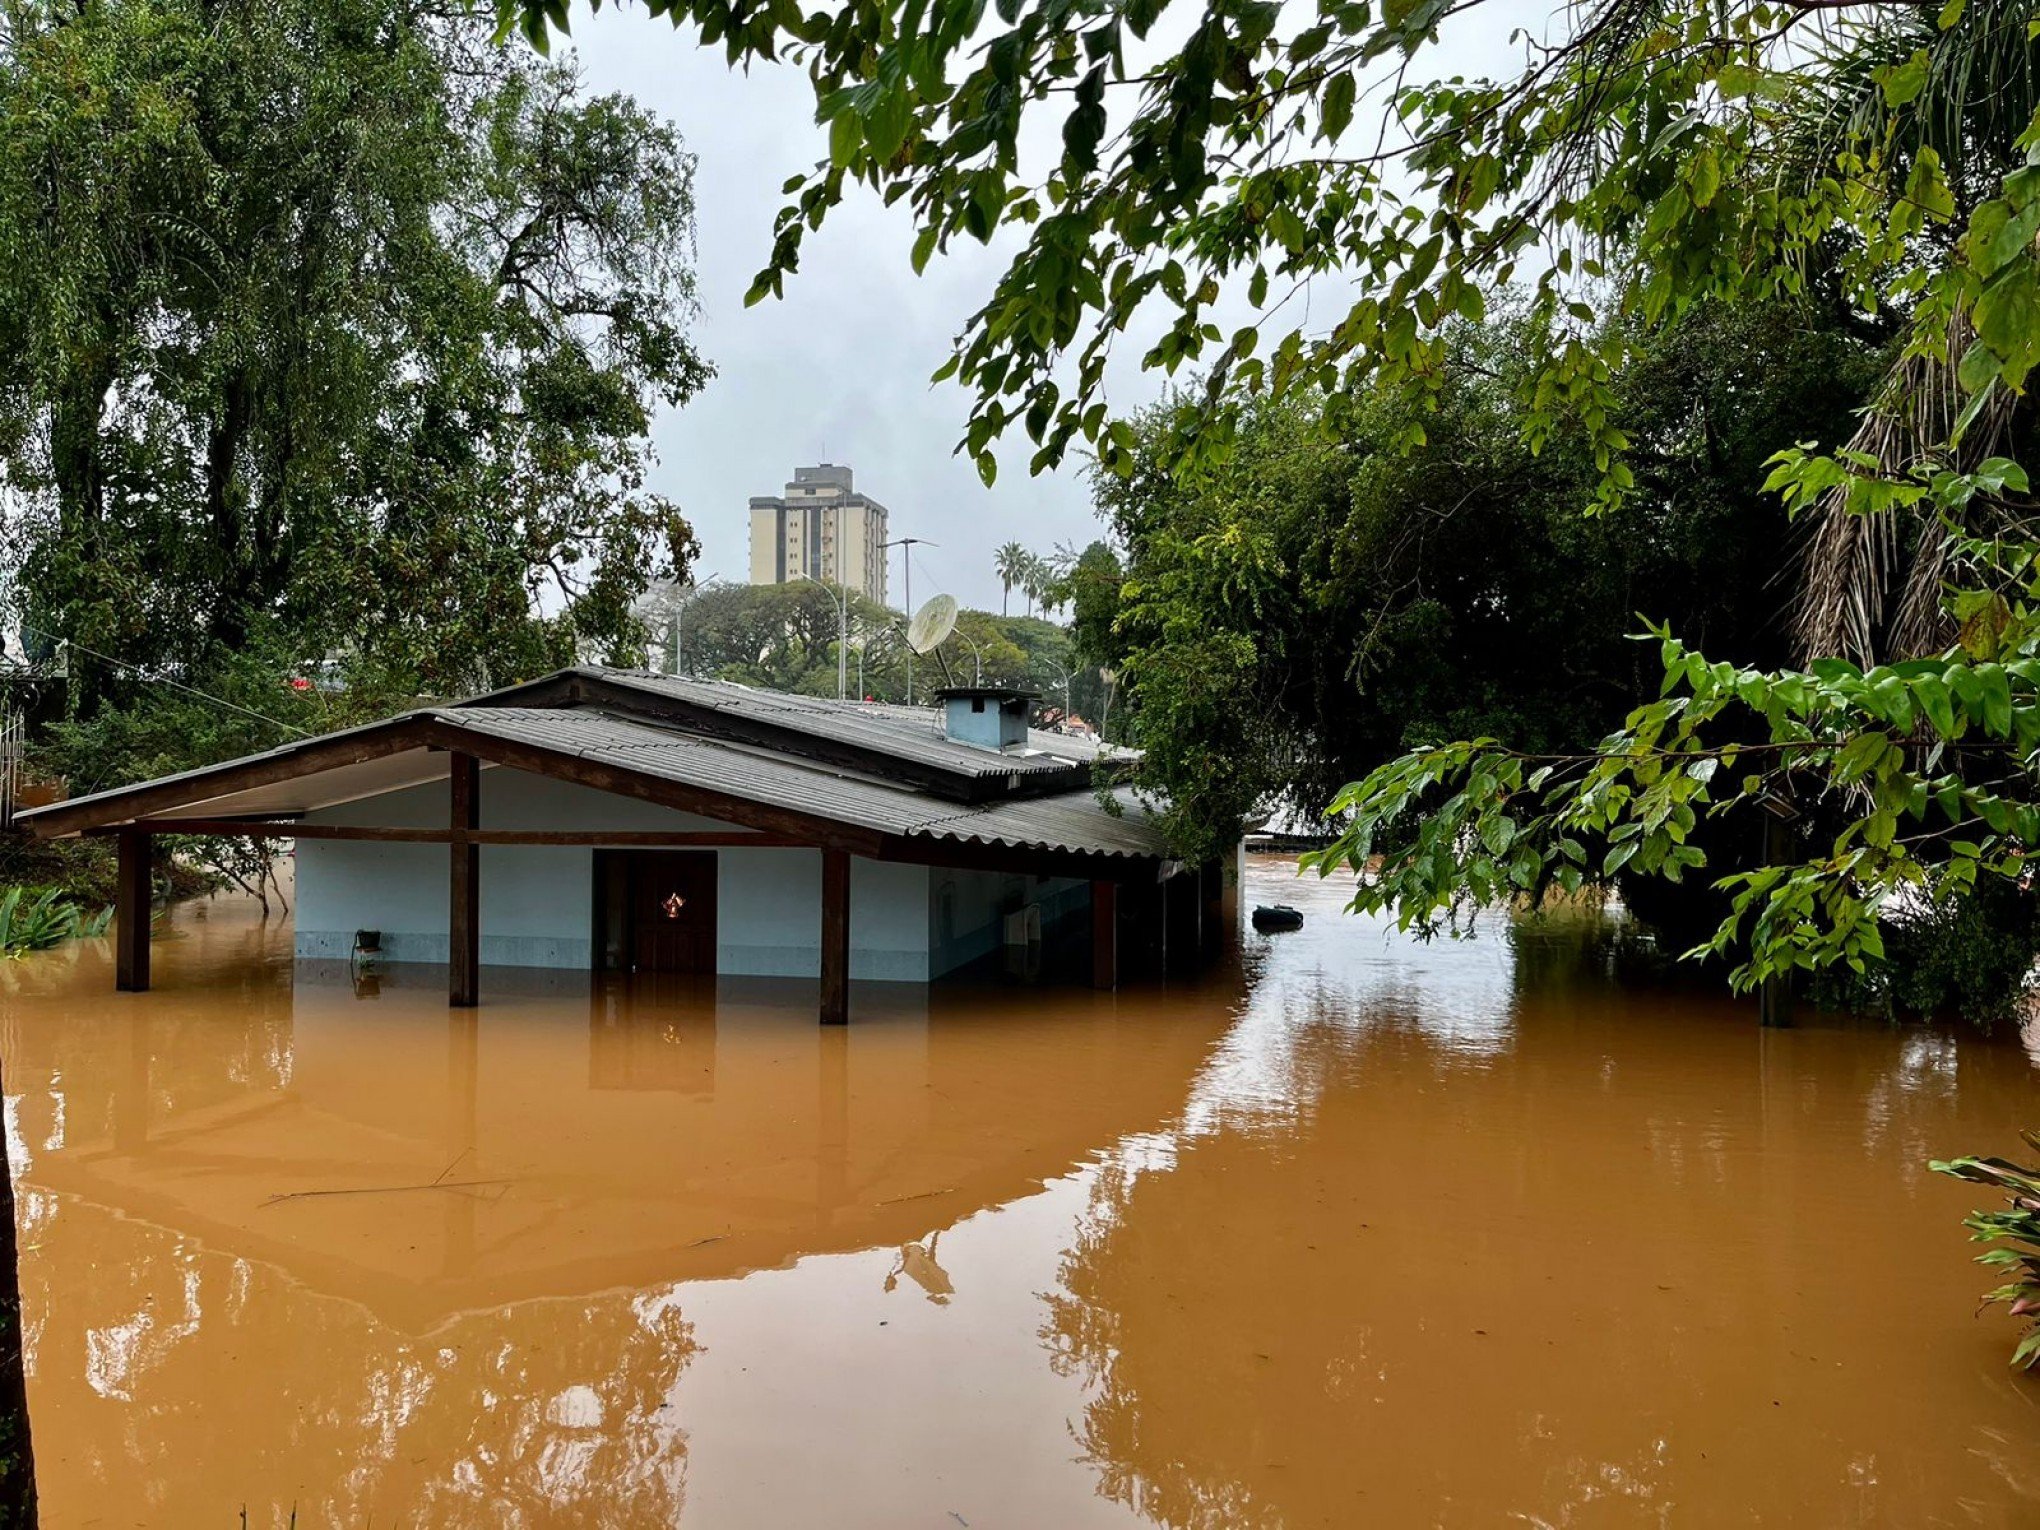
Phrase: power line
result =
(190, 690)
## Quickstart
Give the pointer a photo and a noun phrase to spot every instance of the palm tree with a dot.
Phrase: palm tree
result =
(1052, 580)
(1010, 563)
(1870, 586)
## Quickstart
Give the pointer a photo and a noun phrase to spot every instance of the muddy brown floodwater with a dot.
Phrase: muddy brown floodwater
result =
(1353, 1232)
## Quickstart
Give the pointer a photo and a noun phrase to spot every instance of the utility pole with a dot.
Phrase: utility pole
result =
(907, 573)
(842, 599)
(1064, 676)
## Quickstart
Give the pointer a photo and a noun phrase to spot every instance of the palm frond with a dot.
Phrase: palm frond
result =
(1871, 586)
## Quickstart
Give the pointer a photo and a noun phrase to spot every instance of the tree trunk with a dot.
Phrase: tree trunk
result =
(78, 468)
(17, 1457)
(226, 504)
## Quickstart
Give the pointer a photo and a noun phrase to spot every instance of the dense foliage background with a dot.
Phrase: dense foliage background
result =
(1325, 599)
(331, 333)
(1636, 169)
(784, 637)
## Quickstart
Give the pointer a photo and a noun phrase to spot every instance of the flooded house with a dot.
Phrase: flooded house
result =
(603, 820)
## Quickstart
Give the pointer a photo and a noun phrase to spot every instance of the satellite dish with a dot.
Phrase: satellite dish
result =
(932, 623)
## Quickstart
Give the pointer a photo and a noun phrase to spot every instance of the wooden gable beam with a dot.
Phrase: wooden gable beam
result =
(622, 781)
(1024, 860)
(355, 747)
(283, 828)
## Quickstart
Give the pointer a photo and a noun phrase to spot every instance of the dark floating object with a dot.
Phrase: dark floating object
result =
(1269, 918)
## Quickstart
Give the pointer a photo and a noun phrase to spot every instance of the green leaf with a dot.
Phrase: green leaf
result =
(1998, 235)
(846, 136)
(885, 125)
(1903, 82)
(1932, 694)
(1337, 108)
(1703, 177)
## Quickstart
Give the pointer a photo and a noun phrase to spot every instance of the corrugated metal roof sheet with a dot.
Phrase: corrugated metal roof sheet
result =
(911, 733)
(1068, 821)
(1071, 821)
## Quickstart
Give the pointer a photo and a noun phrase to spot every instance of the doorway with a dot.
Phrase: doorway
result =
(655, 911)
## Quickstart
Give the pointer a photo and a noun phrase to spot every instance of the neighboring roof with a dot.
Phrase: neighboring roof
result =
(905, 742)
(820, 762)
(1070, 821)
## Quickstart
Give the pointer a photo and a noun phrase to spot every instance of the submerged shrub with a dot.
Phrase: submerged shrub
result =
(47, 919)
(1969, 958)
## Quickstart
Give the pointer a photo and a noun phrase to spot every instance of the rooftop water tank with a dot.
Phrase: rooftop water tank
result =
(986, 716)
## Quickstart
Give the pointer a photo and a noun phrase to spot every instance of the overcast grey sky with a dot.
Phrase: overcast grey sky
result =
(838, 369)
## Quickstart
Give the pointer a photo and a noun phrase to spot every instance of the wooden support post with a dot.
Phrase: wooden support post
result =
(1211, 917)
(1235, 880)
(1181, 905)
(835, 937)
(131, 914)
(1104, 934)
(464, 887)
(1143, 930)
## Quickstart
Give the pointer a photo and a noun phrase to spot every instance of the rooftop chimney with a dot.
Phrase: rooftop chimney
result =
(985, 716)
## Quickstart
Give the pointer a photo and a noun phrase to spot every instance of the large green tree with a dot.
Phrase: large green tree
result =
(783, 637)
(1646, 159)
(1323, 601)
(330, 327)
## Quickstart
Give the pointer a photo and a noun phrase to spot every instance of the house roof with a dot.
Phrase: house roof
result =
(906, 743)
(881, 781)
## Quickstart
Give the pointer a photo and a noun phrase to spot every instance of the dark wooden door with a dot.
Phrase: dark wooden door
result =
(672, 910)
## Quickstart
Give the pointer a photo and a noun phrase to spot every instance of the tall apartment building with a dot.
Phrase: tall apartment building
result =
(820, 527)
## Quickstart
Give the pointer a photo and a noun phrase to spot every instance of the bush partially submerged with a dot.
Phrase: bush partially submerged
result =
(2017, 1227)
(35, 923)
(1968, 958)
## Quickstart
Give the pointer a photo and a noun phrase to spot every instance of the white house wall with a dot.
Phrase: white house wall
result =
(537, 900)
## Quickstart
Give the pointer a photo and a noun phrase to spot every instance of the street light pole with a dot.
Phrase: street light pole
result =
(907, 573)
(976, 654)
(842, 599)
(1065, 674)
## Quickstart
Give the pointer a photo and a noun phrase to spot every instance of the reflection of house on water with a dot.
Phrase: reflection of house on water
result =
(1412, 1236)
(607, 1131)
(654, 1033)
(438, 1257)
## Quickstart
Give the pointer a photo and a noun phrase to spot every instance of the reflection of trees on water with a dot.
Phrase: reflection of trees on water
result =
(1587, 941)
(1144, 1461)
(554, 1412)
(1400, 1266)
